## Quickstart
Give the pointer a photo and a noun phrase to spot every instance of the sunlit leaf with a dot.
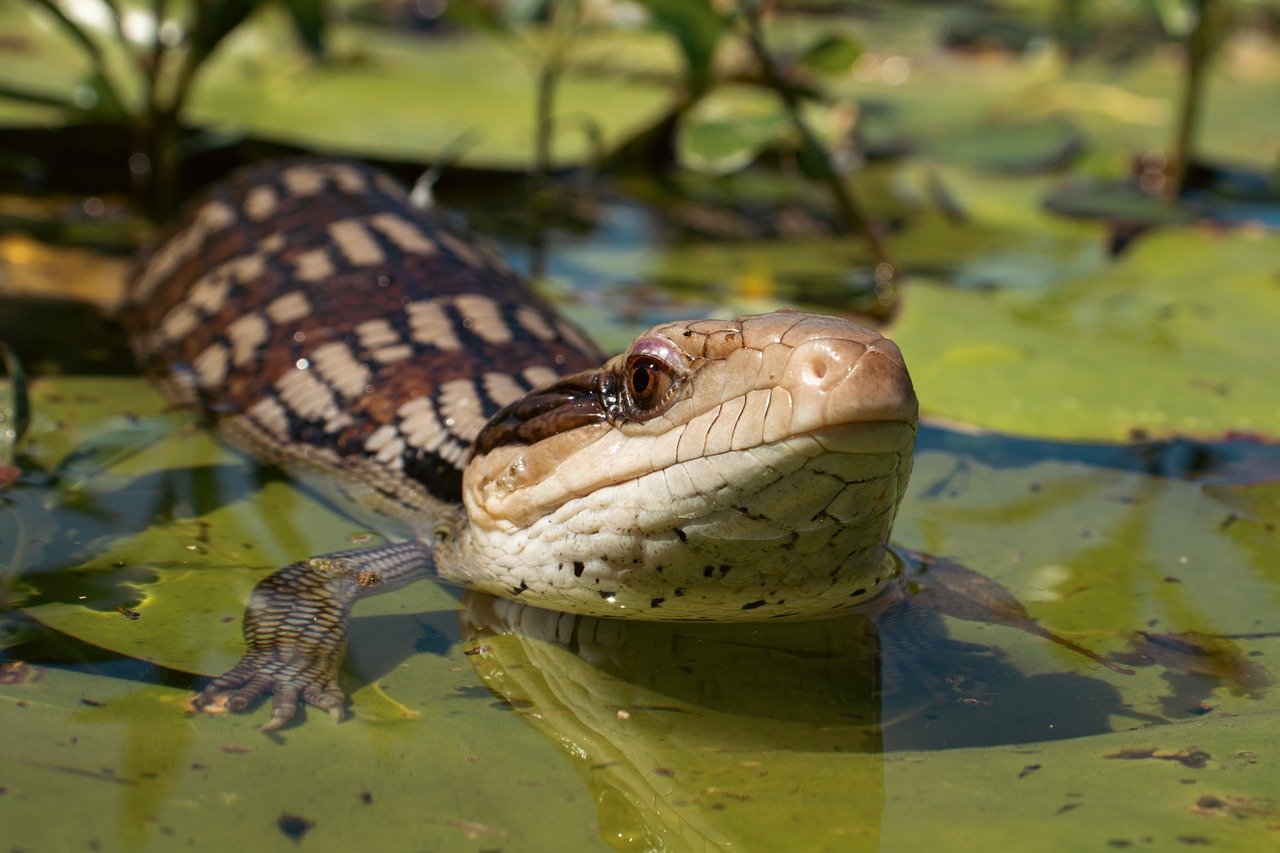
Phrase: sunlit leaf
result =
(1174, 339)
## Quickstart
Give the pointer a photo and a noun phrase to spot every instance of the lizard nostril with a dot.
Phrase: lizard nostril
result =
(821, 364)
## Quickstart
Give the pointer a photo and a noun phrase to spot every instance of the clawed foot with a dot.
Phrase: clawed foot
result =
(288, 678)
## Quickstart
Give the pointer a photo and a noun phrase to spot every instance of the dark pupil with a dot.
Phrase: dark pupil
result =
(641, 378)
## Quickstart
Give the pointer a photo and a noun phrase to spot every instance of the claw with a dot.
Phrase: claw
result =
(329, 698)
(288, 683)
(279, 716)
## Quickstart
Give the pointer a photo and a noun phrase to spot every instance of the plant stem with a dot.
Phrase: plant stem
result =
(851, 213)
(565, 19)
(1198, 52)
(566, 16)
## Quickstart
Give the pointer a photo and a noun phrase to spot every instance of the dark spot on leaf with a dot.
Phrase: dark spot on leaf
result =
(1067, 808)
(655, 602)
(1194, 839)
(708, 571)
(92, 703)
(724, 570)
(679, 591)
(857, 592)
(293, 826)
(608, 594)
(578, 568)
(752, 605)
(1028, 770)
(366, 797)
(1196, 759)
(681, 535)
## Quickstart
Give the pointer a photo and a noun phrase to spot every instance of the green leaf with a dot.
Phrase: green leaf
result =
(91, 759)
(726, 130)
(1148, 347)
(1016, 146)
(833, 54)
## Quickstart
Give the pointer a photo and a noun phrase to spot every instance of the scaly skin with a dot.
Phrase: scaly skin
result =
(720, 470)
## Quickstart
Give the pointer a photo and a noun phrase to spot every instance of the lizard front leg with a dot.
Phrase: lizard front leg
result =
(295, 628)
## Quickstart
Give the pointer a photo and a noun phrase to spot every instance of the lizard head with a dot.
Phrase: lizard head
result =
(738, 469)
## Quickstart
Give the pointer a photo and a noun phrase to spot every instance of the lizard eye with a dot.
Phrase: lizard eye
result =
(650, 377)
(648, 382)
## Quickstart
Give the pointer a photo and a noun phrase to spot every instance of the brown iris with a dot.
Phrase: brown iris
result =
(648, 382)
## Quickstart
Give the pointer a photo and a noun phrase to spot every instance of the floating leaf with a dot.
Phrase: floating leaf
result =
(1174, 339)
(113, 760)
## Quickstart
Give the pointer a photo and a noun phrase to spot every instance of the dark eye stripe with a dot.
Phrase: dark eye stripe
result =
(570, 403)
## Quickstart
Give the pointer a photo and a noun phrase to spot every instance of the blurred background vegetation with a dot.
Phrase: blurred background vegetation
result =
(721, 153)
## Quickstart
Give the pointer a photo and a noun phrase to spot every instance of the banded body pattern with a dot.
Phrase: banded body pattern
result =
(372, 338)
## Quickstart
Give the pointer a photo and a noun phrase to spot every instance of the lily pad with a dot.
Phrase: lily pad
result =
(115, 763)
(1176, 338)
